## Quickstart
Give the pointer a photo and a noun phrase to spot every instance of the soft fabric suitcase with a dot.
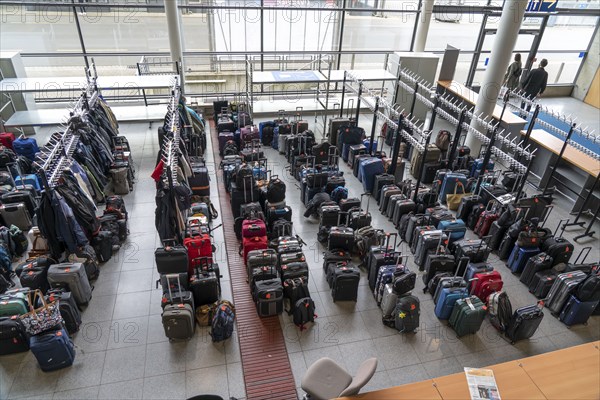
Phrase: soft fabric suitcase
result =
(475, 249)
(385, 275)
(178, 321)
(35, 277)
(379, 257)
(16, 214)
(537, 263)
(73, 278)
(199, 246)
(13, 338)
(541, 283)
(427, 241)
(380, 181)
(524, 323)
(467, 316)
(404, 280)
(329, 215)
(466, 205)
(401, 208)
(68, 309)
(564, 285)
(406, 314)
(171, 259)
(293, 270)
(345, 283)
(519, 257)
(53, 350)
(204, 286)
(335, 256)
(268, 296)
(576, 311)
(388, 301)
(341, 237)
(102, 244)
(253, 243)
(506, 247)
(13, 303)
(437, 263)
(496, 232)
(589, 289)
(560, 249)
(429, 172)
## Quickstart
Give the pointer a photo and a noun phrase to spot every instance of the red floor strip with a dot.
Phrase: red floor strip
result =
(265, 362)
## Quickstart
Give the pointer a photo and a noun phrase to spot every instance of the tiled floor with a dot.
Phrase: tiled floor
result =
(122, 352)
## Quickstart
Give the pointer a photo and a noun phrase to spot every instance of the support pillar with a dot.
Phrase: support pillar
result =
(504, 43)
(423, 27)
(175, 42)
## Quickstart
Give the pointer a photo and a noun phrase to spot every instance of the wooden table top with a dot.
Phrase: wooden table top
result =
(571, 154)
(470, 96)
(572, 373)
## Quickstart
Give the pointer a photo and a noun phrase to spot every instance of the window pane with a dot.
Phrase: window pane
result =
(391, 32)
(562, 67)
(300, 30)
(568, 33)
(457, 30)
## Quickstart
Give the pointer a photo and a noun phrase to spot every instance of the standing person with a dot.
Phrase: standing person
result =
(513, 74)
(535, 83)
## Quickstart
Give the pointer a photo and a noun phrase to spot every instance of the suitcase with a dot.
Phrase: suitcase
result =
(506, 247)
(224, 137)
(406, 314)
(14, 303)
(68, 309)
(541, 283)
(466, 205)
(334, 182)
(576, 311)
(564, 285)
(402, 208)
(433, 155)
(253, 243)
(225, 124)
(381, 180)
(258, 258)
(415, 236)
(454, 228)
(335, 256)
(524, 323)
(447, 298)
(102, 244)
(589, 289)
(13, 338)
(467, 316)
(293, 270)
(329, 215)
(414, 222)
(386, 193)
(486, 283)
(205, 287)
(391, 204)
(560, 249)
(341, 237)
(537, 263)
(178, 312)
(355, 150)
(16, 214)
(437, 215)
(53, 350)
(476, 268)
(404, 280)
(475, 249)
(198, 246)
(430, 171)
(496, 232)
(428, 241)
(334, 126)
(477, 167)
(358, 218)
(385, 275)
(171, 259)
(345, 283)
(449, 183)
(268, 296)
(72, 278)
(199, 182)
(486, 219)
(435, 264)
(288, 257)
(388, 301)
(369, 170)
(35, 277)
(518, 258)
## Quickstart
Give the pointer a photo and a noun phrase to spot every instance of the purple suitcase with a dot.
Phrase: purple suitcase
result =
(224, 137)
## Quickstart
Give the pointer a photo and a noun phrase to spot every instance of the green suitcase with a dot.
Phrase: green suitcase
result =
(13, 304)
(467, 316)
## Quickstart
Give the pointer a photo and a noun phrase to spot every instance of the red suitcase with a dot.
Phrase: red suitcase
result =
(253, 243)
(7, 139)
(198, 246)
(253, 227)
(486, 283)
(484, 223)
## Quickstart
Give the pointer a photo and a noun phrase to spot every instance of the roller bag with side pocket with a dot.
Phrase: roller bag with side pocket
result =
(16, 214)
(204, 286)
(497, 233)
(102, 244)
(68, 309)
(437, 263)
(341, 237)
(345, 283)
(268, 296)
(407, 314)
(467, 316)
(475, 249)
(13, 338)
(73, 278)
(506, 246)
(404, 280)
(537, 263)
(198, 246)
(560, 249)
(53, 349)
(171, 259)
(577, 312)
(334, 256)
(35, 277)
(524, 323)
(298, 269)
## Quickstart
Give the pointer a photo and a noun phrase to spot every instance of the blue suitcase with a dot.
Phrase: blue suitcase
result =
(519, 256)
(449, 183)
(478, 165)
(367, 144)
(346, 151)
(275, 143)
(53, 350)
(577, 312)
(447, 299)
(30, 179)
(456, 228)
(368, 169)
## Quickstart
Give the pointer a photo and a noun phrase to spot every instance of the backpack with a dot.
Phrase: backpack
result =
(589, 289)
(500, 310)
(304, 312)
(442, 141)
(7, 241)
(366, 237)
(275, 190)
(116, 202)
(5, 263)
(222, 321)
(7, 156)
(339, 193)
(19, 240)
(244, 177)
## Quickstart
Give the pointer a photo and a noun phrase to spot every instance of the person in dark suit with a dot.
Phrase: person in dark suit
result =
(535, 83)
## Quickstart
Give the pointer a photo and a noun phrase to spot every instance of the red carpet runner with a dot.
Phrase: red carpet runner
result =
(265, 362)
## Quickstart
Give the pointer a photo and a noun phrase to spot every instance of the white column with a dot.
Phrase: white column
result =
(500, 57)
(175, 43)
(423, 27)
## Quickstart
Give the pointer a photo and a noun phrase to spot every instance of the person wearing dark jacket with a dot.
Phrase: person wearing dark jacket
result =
(535, 83)
(313, 206)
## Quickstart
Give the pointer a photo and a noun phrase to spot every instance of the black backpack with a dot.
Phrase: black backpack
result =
(589, 289)
(304, 312)
(244, 178)
(275, 190)
(7, 156)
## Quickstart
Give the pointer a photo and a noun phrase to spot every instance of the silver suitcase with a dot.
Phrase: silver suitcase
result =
(72, 277)
(16, 214)
(389, 300)
(562, 288)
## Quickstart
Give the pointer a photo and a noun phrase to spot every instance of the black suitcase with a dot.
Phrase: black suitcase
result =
(506, 247)
(347, 204)
(262, 273)
(345, 283)
(294, 270)
(428, 241)
(429, 172)
(380, 181)
(537, 263)
(542, 282)
(68, 309)
(402, 208)
(334, 256)
(524, 323)
(171, 259)
(416, 233)
(475, 249)
(225, 124)
(21, 196)
(380, 256)
(334, 182)
(102, 244)
(435, 264)
(204, 286)
(559, 248)
(35, 277)
(329, 215)
(13, 338)
(341, 237)
(496, 232)
(466, 205)
(473, 217)
(354, 151)
(389, 211)
(240, 197)
(359, 218)
(268, 296)
(415, 221)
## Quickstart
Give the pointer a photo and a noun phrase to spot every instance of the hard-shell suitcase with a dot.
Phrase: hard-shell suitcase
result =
(355, 150)
(13, 303)
(486, 219)
(224, 137)
(519, 257)
(524, 323)
(564, 285)
(541, 283)
(385, 275)
(466, 205)
(388, 301)
(13, 338)
(454, 228)
(449, 183)
(329, 215)
(559, 248)
(16, 214)
(467, 316)
(102, 244)
(268, 296)
(537, 263)
(389, 211)
(73, 278)
(53, 350)
(406, 314)
(427, 241)
(380, 181)
(369, 170)
(345, 283)
(576, 311)
(171, 259)
(486, 283)
(401, 208)
(386, 193)
(415, 236)
(25, 195)
(447, 299)
(414, 222)
(204, 286)
(435, 264)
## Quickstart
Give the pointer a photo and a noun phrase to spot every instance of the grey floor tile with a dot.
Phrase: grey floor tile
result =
(428, 345)
(88, 393)
(165, 387)
(380, 380)
(409, 374)
(331, 309)
(235, 378)
(32, 381)
(298, 365)
(202, 353)
(395, 351)
(130, 305)
(346, 329)
(356, 353)
(135, 259)
(93, 336)
(476, 360)
(211, 380)
(106, 284)
(135, 281)
(9, 368)
(128, 332)
(99, 309)
(322, 333)
(156, 331)
(376, 329)
(166, 358)
(128, 390)
(445, 366)
(535, 346)
(124, 364)
(86, 371)
(232, 349)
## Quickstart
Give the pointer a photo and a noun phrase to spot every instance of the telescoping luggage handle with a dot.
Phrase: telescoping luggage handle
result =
(179, 290)
(368, 194)
(581, 254)
(562, 223)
